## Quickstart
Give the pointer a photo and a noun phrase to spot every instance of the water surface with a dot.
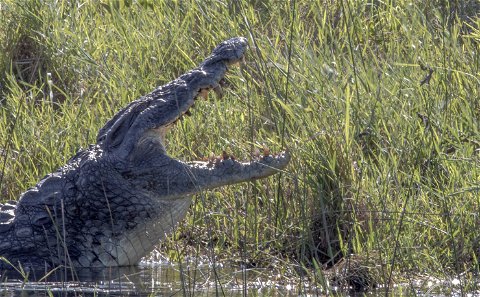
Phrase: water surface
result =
(145, 280)
(168, 279)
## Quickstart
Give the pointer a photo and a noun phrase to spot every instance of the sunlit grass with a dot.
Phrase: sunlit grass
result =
(378, 103)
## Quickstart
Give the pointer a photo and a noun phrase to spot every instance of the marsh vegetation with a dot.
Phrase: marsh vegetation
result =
(378, 102)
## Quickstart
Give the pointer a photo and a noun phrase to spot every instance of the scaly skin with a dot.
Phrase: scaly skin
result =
(110, 204)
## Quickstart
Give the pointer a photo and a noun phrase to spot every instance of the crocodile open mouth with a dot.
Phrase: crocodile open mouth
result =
(217, 86)
(198, 83)
(145, 122)
(203, 94)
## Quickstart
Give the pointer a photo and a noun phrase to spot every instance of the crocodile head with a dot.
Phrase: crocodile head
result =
(134, 140)
(135, 137)
(111, 203)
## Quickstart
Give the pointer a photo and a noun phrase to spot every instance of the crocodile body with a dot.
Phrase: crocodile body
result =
(112, 203)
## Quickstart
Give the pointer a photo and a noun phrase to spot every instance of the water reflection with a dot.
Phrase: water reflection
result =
(185, 279)
(146, 280)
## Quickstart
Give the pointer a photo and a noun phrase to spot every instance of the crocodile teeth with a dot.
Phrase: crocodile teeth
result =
(218, 91)
(238, 62)
(224, 155)
(211, 157)
(266, 151)
(203, 93)
(256, 153)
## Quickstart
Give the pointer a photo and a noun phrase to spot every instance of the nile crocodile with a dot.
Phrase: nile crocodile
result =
(111, 203)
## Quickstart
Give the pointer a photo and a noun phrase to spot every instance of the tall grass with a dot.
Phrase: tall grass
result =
(377, 101)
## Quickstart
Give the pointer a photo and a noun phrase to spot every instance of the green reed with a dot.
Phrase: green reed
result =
(378, 102)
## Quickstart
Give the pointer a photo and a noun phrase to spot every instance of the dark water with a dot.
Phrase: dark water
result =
(145, 280)
(166, 279)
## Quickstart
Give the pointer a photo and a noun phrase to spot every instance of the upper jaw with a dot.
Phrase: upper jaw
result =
(229, 52)
(209, 76)
(160, 109)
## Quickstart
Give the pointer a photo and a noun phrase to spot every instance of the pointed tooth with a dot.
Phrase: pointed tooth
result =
(203, 93)
(266, 151)
(222, 82)
(238, 62)
(218, 91)
(211, 157)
